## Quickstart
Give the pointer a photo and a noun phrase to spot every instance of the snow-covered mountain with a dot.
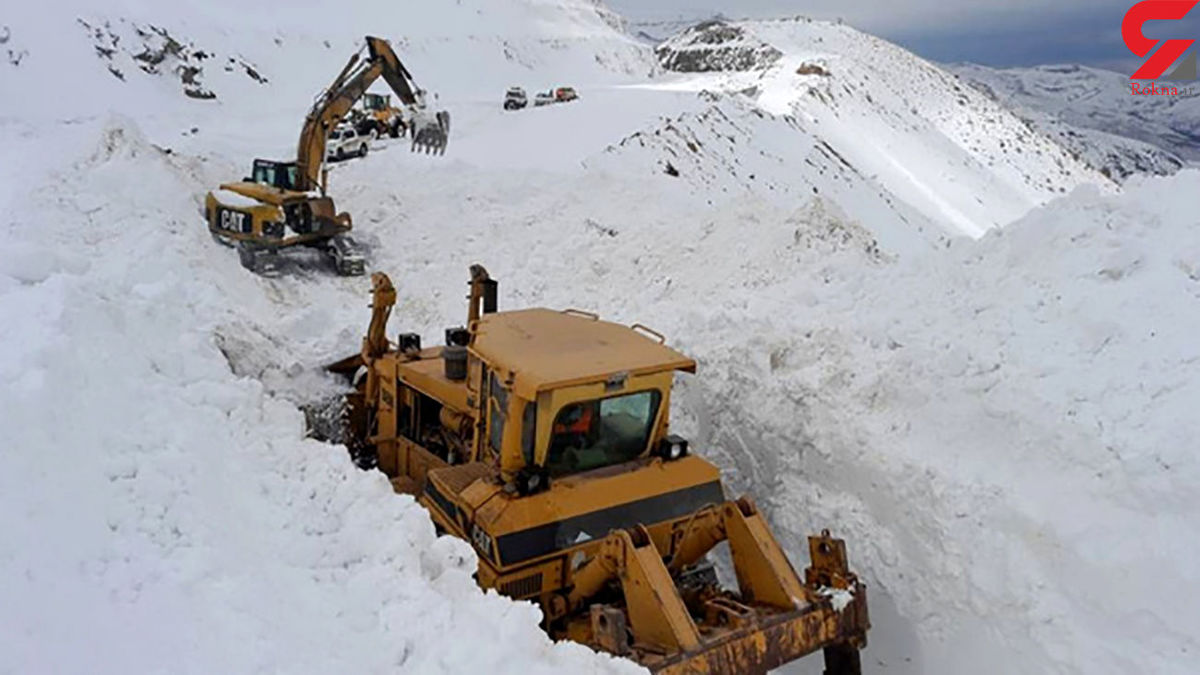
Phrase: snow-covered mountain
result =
(225, 64)
(999, 427)
(1091, 111)
(853, 116)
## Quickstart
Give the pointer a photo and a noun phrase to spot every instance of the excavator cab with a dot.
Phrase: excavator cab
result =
(282, 175)
(542, 438)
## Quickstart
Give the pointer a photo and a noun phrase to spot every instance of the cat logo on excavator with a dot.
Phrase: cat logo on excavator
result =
(541, 437)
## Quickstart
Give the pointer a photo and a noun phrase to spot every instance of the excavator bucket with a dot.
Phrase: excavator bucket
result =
(674, 621)
(431, 133)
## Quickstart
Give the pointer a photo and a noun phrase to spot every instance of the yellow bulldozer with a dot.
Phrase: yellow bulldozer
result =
(284, 204)
(543, 439)
(379, 117)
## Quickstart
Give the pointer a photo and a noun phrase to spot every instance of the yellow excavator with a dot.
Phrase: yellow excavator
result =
(284, 204)
(542, 438)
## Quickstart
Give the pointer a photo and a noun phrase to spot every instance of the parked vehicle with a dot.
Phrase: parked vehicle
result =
(377, 114)
(346, 141)
(564, 94)
(543, 98)
(515, 99)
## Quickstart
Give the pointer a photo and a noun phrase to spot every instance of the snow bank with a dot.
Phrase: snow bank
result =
(1002, 432)
(164, 514)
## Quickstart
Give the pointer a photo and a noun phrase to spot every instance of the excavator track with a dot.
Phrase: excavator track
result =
(347, 256)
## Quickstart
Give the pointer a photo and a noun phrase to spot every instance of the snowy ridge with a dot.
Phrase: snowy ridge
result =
(732, 150)
(928, 141)
(1091, 112)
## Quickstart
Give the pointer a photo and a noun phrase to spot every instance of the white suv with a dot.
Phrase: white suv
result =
(345, 142)
(515, 99)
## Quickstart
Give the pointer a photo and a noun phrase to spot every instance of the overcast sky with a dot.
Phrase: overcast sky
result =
(992, 32)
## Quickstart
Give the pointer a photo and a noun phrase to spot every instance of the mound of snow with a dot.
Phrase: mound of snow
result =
(1001, 432)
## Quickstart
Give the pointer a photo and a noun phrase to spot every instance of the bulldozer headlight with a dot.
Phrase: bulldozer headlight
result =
(272, 229)
(673, 447)
(532, 480)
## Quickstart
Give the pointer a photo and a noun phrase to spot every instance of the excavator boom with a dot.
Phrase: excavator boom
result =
(430, 132)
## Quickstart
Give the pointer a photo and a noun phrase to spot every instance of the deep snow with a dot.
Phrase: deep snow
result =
(998, 427)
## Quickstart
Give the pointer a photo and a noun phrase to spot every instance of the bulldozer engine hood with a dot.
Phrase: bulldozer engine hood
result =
(572, 348)
(578, 509)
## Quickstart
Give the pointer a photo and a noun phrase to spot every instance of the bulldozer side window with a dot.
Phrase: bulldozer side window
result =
(499, 398)
(528, 429)
(593, 434)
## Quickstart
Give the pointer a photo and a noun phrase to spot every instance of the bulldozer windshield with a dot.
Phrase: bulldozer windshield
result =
(375, 101)
(602, 432)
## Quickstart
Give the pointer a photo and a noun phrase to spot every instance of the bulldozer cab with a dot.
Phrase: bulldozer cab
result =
(568, 393)
(376, 102)
(282, 175)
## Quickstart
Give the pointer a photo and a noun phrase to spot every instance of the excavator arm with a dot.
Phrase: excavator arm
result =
(430, 133)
